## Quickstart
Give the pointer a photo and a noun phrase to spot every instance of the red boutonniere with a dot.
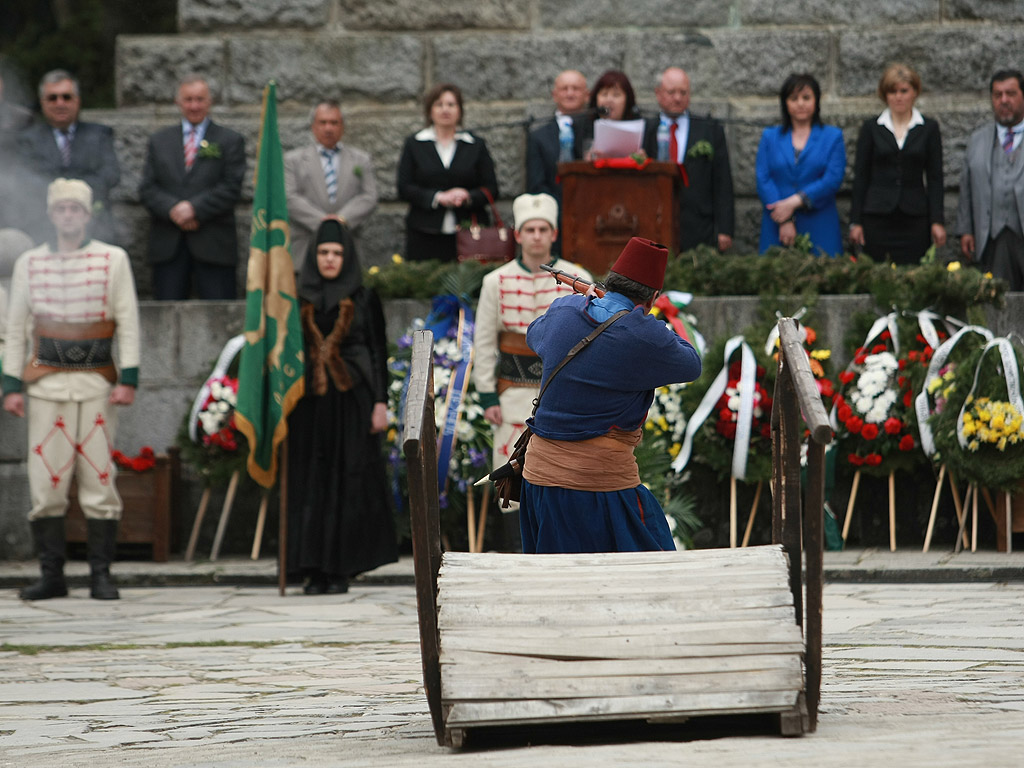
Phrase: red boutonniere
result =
(145, 460)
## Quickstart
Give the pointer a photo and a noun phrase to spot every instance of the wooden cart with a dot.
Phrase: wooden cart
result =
(512, 640)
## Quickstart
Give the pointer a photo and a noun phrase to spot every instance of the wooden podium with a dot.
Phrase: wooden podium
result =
(602, 208)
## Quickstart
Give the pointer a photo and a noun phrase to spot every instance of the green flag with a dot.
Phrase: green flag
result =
(272, 369)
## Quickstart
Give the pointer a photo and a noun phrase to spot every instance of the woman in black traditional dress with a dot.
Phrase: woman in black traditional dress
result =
(339, 521)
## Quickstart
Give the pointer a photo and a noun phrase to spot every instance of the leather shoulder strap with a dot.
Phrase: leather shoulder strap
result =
(580, 346)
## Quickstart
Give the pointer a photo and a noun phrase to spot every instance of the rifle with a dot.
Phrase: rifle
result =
(575, 282)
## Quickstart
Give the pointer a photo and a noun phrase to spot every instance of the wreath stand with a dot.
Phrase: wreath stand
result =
(475, 528)
(892, 508)
(935, 506)
(750, 517)
(222, 524)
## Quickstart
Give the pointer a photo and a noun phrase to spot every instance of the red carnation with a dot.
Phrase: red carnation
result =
(907, 443)
(908, 398)
(726, 415)
(825, 387)
(854, 424)
(873, 459)
(877, 348)
(854, 459)
(869, 432)
(844, 413)
(893, 426)
(859, 359)
(901, 381)
(847, 376)
(885, 335)
(901, 364)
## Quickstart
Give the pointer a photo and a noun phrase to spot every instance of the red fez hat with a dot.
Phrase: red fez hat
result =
(643, 261)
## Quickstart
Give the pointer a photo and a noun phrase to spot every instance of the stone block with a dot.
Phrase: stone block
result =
(777, 12)
(382, 235)
(726, 63)
(521, 66)
(450, 15)
(381, 68)
(984, 10)
(212, 15)
(149, 67)
(155, 417)
(952, 57)
(574, 14)
(13, 438)
(205, 326)
(15, 503)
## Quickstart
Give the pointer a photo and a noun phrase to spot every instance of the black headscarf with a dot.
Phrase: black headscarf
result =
(325, 294)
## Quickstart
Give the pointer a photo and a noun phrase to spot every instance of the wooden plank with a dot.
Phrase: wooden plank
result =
(655, 579)
(570, 687)
(475, 714)
(502, 561)
(471, 664)
(738, 631)
(620, 613)
(589, 594)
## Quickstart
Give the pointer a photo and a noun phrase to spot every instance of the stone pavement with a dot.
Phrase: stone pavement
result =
(915, 674)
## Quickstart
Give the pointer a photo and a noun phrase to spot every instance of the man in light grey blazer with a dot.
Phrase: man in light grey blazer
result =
(990, 215)
(327, 178)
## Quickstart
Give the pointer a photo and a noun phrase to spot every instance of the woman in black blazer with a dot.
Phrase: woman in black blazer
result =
(442, 174)
(897, 185)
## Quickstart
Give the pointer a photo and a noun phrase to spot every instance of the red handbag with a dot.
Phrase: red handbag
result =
(485, 244)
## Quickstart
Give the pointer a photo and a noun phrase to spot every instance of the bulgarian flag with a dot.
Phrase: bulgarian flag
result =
(271, 374)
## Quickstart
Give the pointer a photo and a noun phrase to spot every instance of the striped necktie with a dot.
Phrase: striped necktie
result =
(330, 174)
(190, 149)
(1008, 141)
(64, 145)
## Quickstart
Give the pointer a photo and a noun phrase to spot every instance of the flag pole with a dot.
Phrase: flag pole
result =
(282, 526)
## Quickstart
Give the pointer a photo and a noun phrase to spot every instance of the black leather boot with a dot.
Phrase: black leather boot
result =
(48, 534)
(101, 545)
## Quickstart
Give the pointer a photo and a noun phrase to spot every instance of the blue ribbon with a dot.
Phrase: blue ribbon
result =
(454, 309)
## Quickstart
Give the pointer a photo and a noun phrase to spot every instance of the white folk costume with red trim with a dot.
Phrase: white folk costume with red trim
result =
(70, 420)
(511, 298)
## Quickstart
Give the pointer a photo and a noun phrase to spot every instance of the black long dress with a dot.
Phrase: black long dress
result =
(340, 521)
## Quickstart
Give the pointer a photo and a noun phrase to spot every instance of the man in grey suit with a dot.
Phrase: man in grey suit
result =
(65, 147)
(327, 178)
(990, 215)
(191, 183)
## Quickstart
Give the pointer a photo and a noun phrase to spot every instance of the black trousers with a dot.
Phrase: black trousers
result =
(1004, 257)
(172, 280)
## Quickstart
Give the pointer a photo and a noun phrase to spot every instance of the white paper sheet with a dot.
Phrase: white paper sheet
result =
(617, 138)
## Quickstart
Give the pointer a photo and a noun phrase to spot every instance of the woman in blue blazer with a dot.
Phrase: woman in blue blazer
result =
(800, 165)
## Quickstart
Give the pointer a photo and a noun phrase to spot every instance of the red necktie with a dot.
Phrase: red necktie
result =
(190, 149)
(673, 145)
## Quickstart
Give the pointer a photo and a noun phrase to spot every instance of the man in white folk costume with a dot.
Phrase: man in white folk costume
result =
(506, 372)
(69, 299)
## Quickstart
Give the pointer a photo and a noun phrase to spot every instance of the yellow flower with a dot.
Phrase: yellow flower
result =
(821, 354)
(998, 422)
(988, 275)
(396, 259)
(973, 445)
(1001, 445)
(373, 270)
(663, 423)
(674, 450)
(969, 427)
(392, 434)
(953, 266)
(934, 384)
(649, 424)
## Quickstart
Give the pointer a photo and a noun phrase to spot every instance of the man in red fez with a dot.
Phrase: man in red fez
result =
(581, 487)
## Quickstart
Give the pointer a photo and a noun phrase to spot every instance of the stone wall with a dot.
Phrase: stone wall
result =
(378, 57)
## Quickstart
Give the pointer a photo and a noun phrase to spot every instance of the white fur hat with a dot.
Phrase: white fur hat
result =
(74, 190)
(542, 206)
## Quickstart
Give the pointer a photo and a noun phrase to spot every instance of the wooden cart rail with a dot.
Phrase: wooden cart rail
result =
(519, 639)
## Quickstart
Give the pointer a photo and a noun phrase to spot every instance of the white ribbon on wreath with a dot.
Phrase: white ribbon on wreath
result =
(882, 324)
(220, 369)
(922, 404)
(741, 443)
(1010, 373)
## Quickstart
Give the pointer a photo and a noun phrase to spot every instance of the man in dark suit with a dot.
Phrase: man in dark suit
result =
(570, 95)
(65, 147)
(191, 182)
(706, 209)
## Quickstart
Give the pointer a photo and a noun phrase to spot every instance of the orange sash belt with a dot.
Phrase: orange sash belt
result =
(604, 463)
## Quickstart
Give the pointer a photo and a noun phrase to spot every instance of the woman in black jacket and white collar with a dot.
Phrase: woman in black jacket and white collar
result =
(442, 174)
(897, 205)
